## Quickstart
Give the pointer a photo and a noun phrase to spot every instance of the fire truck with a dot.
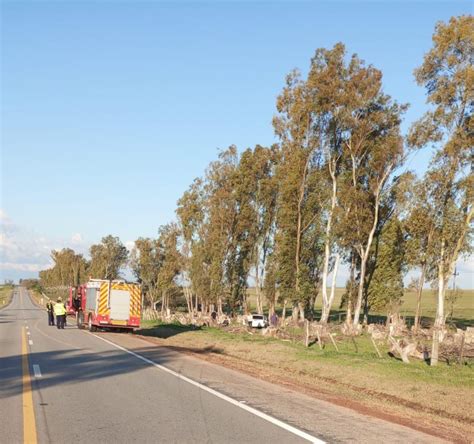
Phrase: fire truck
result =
(106, 304)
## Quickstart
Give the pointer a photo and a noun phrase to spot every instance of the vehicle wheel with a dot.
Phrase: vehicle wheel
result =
(80, 320)
(92, 328)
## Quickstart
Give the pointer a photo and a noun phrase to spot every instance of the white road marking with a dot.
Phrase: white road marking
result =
(28, 333)
(232, 401)
(27, 327)
(30, 342)
(37, 370)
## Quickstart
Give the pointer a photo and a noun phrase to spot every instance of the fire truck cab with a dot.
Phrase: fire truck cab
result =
(106, 304)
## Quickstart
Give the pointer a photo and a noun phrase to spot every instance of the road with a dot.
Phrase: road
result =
(69, 385)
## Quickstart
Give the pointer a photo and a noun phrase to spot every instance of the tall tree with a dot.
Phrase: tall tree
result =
(419, 248)
(374, 149)
(69, 269)
(107, 258)
(447, 73)
(146, 261)
(171, 262)
(298, 233)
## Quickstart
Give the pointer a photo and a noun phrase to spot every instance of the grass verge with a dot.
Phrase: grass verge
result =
(428, 398)
(6, 292)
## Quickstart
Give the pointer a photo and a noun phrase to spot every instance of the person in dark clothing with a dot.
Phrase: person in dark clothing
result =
(50, 308)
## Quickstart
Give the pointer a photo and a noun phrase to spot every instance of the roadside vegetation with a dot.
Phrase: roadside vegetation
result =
(269, 229)
(6, 292)
(418, 394)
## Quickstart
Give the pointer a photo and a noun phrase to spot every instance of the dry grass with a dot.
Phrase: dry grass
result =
(5, 294)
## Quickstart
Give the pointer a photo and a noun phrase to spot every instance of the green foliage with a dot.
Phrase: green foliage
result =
(69, 269)
(386, 286)
(107, 258)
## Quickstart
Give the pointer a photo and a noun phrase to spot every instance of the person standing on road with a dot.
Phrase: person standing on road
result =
(60, 313)
(50, 308)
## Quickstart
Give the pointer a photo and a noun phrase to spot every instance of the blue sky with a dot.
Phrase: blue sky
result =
(111, 109)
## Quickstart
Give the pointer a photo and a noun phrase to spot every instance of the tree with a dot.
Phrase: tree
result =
(298, 174)
(447, 73)
(170, 263)
(385, 291)
(255, 199)
(107, 258)
(419, 228)
(146, 261)
(373, 150)
(69, 269)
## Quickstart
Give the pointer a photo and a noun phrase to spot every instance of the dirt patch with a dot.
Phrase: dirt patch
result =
(375, 404)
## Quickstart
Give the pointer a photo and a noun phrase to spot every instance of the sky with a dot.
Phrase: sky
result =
(110, 109)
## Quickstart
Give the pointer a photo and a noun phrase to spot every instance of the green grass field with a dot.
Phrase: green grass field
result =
(460, 312)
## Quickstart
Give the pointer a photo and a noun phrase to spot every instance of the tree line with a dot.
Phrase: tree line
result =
(334, 190)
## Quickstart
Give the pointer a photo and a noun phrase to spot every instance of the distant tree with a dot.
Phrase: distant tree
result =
(447, 73)
(171, 264)
(146, 261)
(69, 269)
(107, 258)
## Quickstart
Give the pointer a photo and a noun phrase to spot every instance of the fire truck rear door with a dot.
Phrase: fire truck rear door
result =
(119, 305)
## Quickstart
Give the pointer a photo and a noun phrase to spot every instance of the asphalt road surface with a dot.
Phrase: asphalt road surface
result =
(60, 386)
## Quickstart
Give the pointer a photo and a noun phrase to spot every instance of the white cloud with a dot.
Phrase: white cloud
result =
(23, 250)
(76, 239)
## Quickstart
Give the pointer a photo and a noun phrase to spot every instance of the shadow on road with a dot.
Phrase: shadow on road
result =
(75, 366)
(165, 331)
(72, 367)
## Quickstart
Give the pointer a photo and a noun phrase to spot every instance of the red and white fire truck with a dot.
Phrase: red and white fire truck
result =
(106, 304)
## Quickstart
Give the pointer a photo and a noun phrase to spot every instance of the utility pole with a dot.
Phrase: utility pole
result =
(454, 278)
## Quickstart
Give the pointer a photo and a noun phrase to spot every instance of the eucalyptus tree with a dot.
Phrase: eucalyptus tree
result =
(447, 73)
(69, 269)
(170, 264)
(190, 213)
(373, 149)
(298, 210)
(146, 261)
(419, 227)
(107, 258)
(255, 200)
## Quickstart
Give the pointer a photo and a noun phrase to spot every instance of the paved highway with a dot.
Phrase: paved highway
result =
(59, 386)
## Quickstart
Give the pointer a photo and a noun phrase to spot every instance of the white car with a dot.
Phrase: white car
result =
(257, 321)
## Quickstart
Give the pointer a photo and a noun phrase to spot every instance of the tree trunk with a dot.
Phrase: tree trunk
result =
(301, 311)
(360, 291)
(219, 306)
(327, 248)
(283, 313)
(421, 282)
(294, 312)
(327, 307)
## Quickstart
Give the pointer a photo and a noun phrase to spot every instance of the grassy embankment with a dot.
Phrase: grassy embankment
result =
(418, 394)
(5, 294)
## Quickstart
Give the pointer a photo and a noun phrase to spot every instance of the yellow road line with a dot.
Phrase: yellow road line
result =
(29, 422)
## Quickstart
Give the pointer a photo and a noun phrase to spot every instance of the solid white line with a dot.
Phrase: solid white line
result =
(247, 408)
(37, 370)
(30, 342)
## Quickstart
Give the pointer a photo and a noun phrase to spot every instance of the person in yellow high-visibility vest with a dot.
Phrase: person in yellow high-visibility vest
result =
(60, 312)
